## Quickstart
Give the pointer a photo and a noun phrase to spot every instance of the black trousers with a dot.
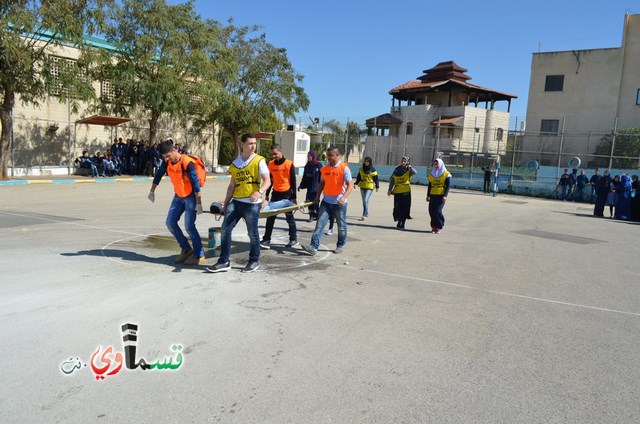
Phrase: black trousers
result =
(436, 204)
(268, 230)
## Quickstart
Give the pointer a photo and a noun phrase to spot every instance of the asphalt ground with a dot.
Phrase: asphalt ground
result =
(521, 311)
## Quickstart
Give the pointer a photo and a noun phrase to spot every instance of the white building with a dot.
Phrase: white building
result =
(439, 114)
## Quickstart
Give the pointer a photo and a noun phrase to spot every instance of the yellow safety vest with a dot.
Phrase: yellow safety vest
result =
(366, 180)
(437, 184)
(247, 179)
(402, 183)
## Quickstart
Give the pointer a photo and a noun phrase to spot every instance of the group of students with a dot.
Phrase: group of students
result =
(253, 180)
(619, 194)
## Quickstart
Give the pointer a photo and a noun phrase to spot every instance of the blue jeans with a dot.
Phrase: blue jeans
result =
(234, 211)
(186, 205)
(339, 213)
(366, 195)
(284, 203)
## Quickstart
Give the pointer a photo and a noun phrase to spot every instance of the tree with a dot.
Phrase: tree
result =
(626, 152)
(344, 138)
(29, 33)
(163, 60)
(262, 86)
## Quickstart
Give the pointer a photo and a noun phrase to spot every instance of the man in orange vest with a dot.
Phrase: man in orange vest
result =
(336, 184)
(182, 173)
(283, 183)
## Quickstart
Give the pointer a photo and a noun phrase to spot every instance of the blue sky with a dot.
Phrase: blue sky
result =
(353, 52)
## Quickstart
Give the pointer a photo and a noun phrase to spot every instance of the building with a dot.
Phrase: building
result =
(577, 98)
(47, 137)
(439, 114)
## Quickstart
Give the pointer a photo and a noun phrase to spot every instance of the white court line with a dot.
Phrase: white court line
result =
(502, 293)
(463, 286)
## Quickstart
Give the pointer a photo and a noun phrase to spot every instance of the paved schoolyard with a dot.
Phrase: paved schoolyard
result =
(521, 311)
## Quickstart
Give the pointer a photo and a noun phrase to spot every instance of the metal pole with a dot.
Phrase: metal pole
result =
(513, 156)
(613, 142)
(560, 151)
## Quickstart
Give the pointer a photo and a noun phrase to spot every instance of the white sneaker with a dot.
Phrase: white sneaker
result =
(329, 232)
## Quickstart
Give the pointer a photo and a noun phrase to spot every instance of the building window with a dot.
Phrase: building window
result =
(409, 128)
(302, 145)
(554, 83)
(499, 134)
(62, 70)
(638, 97)
(109, 92)
(549, 126)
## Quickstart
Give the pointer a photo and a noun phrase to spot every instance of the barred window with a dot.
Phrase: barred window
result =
(61, 70)
(109, 92)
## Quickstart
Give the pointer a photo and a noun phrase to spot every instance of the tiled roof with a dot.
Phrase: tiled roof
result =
(384, 120)
(447, 121)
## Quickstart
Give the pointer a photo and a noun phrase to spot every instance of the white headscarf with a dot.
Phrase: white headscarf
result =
(437, 173)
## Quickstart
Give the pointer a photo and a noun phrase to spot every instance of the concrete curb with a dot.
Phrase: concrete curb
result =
(89, 180)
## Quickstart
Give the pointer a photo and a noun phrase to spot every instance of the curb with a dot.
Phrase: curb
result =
(94, 180)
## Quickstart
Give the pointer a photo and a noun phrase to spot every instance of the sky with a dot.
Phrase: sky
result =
(352, 53)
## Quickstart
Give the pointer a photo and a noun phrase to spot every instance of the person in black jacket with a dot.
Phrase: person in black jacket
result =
(310, 180)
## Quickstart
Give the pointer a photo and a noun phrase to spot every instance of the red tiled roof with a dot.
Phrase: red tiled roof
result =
(447, 121)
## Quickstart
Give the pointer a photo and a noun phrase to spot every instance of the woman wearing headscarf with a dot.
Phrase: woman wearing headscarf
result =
(310, 180)
(623, 202)
(367, 180)
(612, 197)
(602, 192)
(400, 187)
(437, 192)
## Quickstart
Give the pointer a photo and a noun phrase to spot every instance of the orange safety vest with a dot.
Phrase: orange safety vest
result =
(281, 175)
(179, 177)
(333, 178)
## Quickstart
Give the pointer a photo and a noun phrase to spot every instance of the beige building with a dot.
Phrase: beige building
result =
(440, 114)
(577, 97)
(48, 137)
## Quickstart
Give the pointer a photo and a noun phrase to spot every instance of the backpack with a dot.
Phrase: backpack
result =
(200, 168)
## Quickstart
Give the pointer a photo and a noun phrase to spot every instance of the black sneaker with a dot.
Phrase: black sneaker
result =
(251, 266)
(265, 244)
(309, 250)
(293, 243)
(219, 267)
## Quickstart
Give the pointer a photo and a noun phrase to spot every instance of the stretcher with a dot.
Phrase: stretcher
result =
(216, 207)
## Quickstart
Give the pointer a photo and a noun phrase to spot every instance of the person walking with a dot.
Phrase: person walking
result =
(283, 187)
(367, 180)
(437, 193)
(336, 185)
(243, 200)
(400, 187)
(187, 200)
(310, 181)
